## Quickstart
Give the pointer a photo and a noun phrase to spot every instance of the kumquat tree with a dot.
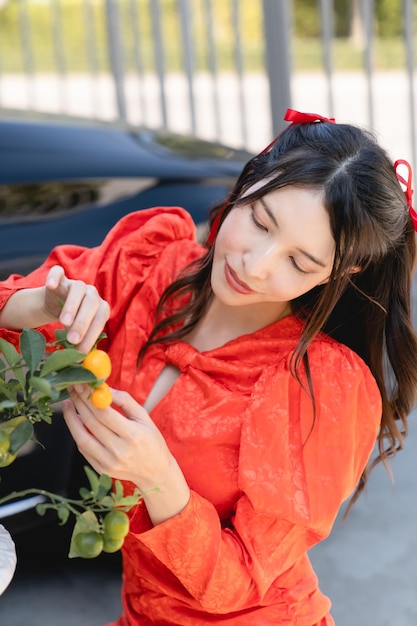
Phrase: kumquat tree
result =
(32, 380)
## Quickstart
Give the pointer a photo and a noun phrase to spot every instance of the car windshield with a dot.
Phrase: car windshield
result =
(193, 147)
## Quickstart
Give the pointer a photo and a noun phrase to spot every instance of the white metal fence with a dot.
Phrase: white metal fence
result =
(238, 105)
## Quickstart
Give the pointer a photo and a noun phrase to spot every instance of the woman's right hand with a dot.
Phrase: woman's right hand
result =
(77, 305)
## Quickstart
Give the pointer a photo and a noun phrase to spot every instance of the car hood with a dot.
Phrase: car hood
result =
(38, 150)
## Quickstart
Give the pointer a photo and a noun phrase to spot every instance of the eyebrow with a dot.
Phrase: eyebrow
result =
(310, 256)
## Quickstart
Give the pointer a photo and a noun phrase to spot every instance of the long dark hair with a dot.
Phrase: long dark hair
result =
(368, 310)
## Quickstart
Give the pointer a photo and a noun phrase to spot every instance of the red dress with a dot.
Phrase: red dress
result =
(266, 479)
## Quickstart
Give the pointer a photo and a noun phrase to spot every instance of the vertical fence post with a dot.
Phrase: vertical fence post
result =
(368, 21)
(27, 48)
(239, 70)
(326, 14)
(187, 46)
(277, 21)
(90, 35)
(137, 53)
(115, 48)
(159, 57)
(212, 64)
(59, 51)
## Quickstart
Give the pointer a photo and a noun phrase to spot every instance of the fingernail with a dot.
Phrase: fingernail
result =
(66, 319)
(73, 337)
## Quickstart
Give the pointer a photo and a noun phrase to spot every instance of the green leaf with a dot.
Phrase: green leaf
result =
(121, 500)
(44, 386)
(104, 486)
(92, 479)
(107, 502)
(85, 493)
(7, 392)
(100, 338)
(61, 337)
(129, 501)
(85, 522)
(7, 404)
(71, 376)
(14, 360)
(21, 377)
(10, 353)
(63, 514)
(20, 435)
(118, 489)
(32, 347)
(62, 395)
(11, 424)
(42, 508)
(60, 359)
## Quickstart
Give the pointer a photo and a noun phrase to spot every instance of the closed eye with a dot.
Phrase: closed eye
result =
(297, 267)
(255, 221)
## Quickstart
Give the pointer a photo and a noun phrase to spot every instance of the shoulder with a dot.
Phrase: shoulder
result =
(155, 226)
(141, 240)
(313, 451)
(335, 366)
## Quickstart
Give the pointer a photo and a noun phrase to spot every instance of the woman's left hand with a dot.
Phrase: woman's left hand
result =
(126, 445)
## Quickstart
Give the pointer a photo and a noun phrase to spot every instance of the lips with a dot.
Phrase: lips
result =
(234, 282)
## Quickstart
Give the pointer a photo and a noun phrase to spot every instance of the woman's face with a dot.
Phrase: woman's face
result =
(273, 250)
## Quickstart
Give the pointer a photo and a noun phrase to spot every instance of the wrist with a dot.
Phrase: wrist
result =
(25, 308)
(167, 497)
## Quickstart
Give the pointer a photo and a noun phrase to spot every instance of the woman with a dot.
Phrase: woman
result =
(251, 376)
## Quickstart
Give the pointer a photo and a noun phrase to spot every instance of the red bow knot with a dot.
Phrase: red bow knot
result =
(408, 191)
(297, 117)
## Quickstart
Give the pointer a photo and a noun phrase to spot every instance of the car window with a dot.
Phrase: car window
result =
(32, 201)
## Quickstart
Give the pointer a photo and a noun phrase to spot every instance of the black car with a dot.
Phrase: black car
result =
(69, 182)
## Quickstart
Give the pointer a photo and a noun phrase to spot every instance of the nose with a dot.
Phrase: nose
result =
(259, 261)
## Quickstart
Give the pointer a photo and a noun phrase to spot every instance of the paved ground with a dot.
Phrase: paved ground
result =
(368, 566)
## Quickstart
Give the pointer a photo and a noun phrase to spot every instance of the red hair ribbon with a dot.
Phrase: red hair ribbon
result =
(408, 192)
(297, 117)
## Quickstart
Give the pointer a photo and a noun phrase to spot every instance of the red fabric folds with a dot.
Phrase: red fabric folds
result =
(266, 478)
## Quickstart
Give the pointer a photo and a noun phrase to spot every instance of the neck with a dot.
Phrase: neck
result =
(221, 323)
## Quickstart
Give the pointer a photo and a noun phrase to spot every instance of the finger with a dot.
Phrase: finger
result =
(75, 423)
(95, 327)
(122, 423)
(90, 434)
(73, 292)
(81, 436)
(54, 291)
(54, 277)
(129, 407)
(102, 423)
(84, 314)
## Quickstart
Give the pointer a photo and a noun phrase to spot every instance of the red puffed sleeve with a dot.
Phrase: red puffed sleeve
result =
(295, 469)
(120, 265)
